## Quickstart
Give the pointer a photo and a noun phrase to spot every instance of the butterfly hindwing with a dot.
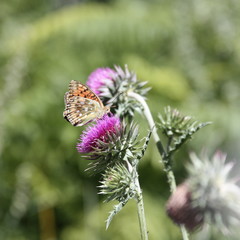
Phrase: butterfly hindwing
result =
(79, 110)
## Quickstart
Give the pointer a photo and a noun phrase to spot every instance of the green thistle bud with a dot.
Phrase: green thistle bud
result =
(177, 128)
(118, 183)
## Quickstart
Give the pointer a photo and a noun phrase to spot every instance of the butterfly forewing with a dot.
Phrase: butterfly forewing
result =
(78, 89)
(81, 105)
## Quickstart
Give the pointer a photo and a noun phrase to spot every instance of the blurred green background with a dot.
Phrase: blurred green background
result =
(189, 51)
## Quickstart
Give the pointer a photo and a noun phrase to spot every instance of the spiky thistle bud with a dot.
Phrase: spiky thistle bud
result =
(177, 128)
(210, 195)
(118, 183)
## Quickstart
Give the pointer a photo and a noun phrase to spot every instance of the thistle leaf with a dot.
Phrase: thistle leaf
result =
(144, 147)
(178, 142)
(117, 208)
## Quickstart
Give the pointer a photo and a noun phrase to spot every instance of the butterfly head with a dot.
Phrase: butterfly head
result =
(107, 109)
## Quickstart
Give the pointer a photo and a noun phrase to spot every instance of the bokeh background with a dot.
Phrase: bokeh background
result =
(188, 51)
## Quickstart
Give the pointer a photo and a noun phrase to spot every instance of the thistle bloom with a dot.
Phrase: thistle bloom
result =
(107, 142)
(112, 87)
(209, 195)
(99, 78)
(99, 132)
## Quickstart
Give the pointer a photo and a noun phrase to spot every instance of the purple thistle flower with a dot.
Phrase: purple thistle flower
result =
(99, 78)
(100, 131)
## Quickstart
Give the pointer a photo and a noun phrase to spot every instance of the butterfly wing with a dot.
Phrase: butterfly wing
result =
(80, 110)
(82, 105)
(78, 89)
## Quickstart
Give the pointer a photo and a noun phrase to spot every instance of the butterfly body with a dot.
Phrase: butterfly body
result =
(82, 105)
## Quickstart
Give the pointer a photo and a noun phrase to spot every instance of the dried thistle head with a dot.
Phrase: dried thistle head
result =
(209, 195)
(214, 190)
(180, 209)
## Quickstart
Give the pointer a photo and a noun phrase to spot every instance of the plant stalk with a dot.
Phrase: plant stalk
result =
(141, 213)
(165, 159)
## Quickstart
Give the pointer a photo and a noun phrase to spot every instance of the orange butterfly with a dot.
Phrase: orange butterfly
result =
(82, 105)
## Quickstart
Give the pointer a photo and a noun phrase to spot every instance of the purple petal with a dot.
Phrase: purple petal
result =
(99, 78)
(98, 131)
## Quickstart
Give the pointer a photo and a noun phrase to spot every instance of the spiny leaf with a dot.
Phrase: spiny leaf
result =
(117, 208)
(144, 147)
(178, 142)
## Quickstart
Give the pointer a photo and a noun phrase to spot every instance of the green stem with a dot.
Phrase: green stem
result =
(184, 232)
(141, 213)
(165, 159)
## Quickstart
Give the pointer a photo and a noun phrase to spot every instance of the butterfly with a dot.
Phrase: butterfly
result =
(82, 105)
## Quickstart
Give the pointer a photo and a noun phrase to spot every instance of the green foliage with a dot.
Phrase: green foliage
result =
(188, 50)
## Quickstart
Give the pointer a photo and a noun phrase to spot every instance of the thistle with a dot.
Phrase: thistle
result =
(209, 195)
(118, 183)
(177, 128)
(112, 144)
(94, 137)
(100, 78)
(107, 142)
(112, 147)
(112, 87)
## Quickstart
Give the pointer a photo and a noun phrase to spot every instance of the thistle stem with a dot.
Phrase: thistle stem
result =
(164, 157)
(141, 213)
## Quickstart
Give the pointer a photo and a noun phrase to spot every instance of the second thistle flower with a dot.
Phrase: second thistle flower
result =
(107, 142)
